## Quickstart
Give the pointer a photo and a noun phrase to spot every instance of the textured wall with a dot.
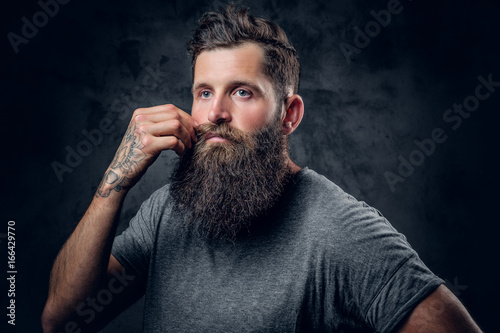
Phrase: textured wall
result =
(91, 65)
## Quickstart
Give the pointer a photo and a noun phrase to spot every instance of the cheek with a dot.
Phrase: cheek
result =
(198, 115)
(255, 118)
(250, 122)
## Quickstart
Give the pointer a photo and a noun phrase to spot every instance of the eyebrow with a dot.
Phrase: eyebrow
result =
(234, 83)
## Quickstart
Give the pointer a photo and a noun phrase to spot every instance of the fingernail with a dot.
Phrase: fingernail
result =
(196, 123)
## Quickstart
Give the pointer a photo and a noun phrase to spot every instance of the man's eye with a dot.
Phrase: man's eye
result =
(205, 94)
(243, 93)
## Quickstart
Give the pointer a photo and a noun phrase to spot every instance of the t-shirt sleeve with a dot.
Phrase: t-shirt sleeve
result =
(134, 246)
(410, 284)
(384, 277)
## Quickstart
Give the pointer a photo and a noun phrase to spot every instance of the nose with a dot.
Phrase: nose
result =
(219, 111)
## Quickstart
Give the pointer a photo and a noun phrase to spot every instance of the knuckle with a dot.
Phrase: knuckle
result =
(172, 141)
(139, 118)
(176, 116)
(176, 124)
(141, 129)
(146, 141)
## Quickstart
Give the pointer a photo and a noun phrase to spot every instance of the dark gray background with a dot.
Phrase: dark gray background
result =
(359, 118)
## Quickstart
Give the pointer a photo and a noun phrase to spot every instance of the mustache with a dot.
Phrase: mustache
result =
(222, 130)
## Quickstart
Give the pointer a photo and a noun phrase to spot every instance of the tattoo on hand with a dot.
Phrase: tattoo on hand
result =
(125, 163)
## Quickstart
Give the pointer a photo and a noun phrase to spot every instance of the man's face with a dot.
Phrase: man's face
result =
(230, 86)
(237, 170)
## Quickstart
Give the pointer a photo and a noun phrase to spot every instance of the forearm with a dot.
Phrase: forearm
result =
(81, 265)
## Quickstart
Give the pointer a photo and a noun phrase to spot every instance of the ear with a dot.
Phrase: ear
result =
(293, 114)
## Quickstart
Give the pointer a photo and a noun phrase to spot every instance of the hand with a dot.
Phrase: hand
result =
(150, 131)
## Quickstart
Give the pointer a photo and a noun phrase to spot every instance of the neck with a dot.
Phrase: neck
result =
(294, 168)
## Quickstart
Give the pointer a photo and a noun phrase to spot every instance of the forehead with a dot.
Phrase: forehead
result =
(243, 62)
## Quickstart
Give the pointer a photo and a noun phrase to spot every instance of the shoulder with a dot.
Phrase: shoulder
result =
(158, 203)
(323, 195)
(357, 250)
(318, 189)
(160, 196)
(336, 217)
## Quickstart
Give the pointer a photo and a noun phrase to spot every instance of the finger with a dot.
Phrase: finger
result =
(156, 109)
(166, 112)
(157, 117)
(188, 122)
(181, 116)
(168, 128)
(159, 144)
(190, 127)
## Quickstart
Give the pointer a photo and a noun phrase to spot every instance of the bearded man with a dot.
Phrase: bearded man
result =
(242, 239)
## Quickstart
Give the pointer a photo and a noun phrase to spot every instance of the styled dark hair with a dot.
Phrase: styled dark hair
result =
(233, 27)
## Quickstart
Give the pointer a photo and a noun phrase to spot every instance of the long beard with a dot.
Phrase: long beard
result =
(225, 187)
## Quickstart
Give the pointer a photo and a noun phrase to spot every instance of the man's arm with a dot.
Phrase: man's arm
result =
(440, 312)
(83, 266)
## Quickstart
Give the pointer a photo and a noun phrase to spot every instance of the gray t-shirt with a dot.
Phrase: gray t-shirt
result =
(321, 261)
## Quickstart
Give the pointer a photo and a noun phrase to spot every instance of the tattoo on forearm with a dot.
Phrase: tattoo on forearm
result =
(125, 163)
